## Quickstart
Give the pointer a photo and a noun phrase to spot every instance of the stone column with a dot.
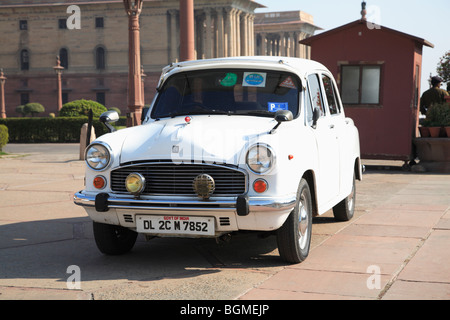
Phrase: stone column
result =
(263, 44)
(229, 12)
(208, 34)
(291, 44)
(187, 40)
(252, 34)
(244, 34)
(173, 35)
(238, 33)
(220, 34)
(282, 50)
(297, 45)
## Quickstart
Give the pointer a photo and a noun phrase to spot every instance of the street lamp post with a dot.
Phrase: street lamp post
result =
(58, 70)
(2, 94)
(135, 103)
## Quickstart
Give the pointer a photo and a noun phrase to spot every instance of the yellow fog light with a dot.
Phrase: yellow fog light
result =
(135, 183)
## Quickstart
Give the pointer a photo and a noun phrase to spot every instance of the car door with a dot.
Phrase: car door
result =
(327, 145)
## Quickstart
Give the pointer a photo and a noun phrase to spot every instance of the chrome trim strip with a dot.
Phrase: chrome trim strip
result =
(279, 204)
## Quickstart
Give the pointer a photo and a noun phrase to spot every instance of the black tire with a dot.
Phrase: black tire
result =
(345, 209)
(294, 237)
(113, 240)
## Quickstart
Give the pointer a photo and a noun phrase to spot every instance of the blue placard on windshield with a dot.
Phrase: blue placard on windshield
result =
(275, 106)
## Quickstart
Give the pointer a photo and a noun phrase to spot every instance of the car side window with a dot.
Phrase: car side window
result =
(308, 107)
(330, 94)
(316, 94)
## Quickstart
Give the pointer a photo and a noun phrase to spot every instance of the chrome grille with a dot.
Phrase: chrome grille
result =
(176, 179)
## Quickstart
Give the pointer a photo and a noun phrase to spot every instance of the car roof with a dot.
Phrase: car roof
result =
(297, 65)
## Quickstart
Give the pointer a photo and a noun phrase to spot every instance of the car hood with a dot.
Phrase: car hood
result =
(215, 138)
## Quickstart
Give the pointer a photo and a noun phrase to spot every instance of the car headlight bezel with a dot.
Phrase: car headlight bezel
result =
(260, 158)
(98, 156)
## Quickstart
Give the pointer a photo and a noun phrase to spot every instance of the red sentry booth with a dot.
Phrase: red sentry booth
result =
(378, 71)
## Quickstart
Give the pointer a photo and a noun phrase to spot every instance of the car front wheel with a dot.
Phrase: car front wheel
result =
(113, 240)
(294, 237)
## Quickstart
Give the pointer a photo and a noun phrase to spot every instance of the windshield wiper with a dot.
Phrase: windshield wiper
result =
(264, 113)
(196, 112)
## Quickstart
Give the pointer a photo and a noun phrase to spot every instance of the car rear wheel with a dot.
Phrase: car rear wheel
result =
(294, 237)
(113, 240)
(345, 209)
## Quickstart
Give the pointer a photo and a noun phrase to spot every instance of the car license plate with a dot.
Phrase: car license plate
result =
(175, 225)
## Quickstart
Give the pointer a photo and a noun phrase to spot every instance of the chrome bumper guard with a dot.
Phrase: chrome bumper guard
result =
(102, 202)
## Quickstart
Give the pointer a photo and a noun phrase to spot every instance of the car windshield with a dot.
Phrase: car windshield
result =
(231, 91)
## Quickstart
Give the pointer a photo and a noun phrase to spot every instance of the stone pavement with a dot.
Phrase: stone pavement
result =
(396, 247)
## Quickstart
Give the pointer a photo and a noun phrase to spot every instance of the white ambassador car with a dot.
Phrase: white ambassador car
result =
(228, 145)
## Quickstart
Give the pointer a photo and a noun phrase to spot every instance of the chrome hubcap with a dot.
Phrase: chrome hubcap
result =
(351, 198)
(303, 222)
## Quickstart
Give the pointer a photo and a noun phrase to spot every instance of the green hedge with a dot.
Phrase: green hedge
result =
(44, 130)
(3, 136)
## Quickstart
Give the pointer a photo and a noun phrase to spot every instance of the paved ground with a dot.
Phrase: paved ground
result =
(396, 247)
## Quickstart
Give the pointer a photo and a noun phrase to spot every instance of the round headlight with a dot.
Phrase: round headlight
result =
(97, 157)
(135, 183)
(260, 159)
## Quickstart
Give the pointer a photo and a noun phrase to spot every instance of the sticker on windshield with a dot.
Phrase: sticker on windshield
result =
(275, 106)
(254, 79)
(288, 83)
(229, 80)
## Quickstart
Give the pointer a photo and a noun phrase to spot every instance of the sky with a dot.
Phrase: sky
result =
(429, 20)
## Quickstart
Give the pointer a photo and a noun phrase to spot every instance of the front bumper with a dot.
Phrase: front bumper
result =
(258, 214)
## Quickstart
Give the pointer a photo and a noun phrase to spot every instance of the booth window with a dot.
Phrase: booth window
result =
(361, 84)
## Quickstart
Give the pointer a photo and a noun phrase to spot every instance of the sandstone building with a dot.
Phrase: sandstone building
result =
(91, 40)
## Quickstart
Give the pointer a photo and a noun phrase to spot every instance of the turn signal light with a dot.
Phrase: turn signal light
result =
(260, 185)
(99, 182)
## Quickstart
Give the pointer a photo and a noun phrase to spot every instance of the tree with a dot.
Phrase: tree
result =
(33, 108)
(20, 110)
(443, 68)
(80, 108)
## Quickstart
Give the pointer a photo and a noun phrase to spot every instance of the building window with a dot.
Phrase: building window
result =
(62, 23)
(64, 58)
(101, 98)
(100, 61)
(361, 84)
(24, 60)
(24, 98)
(99, 23)
(65, 97)
(23, 24)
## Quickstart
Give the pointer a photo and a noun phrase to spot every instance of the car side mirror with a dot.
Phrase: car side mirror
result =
(109, 117)
(282, 116)
(316, 116)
